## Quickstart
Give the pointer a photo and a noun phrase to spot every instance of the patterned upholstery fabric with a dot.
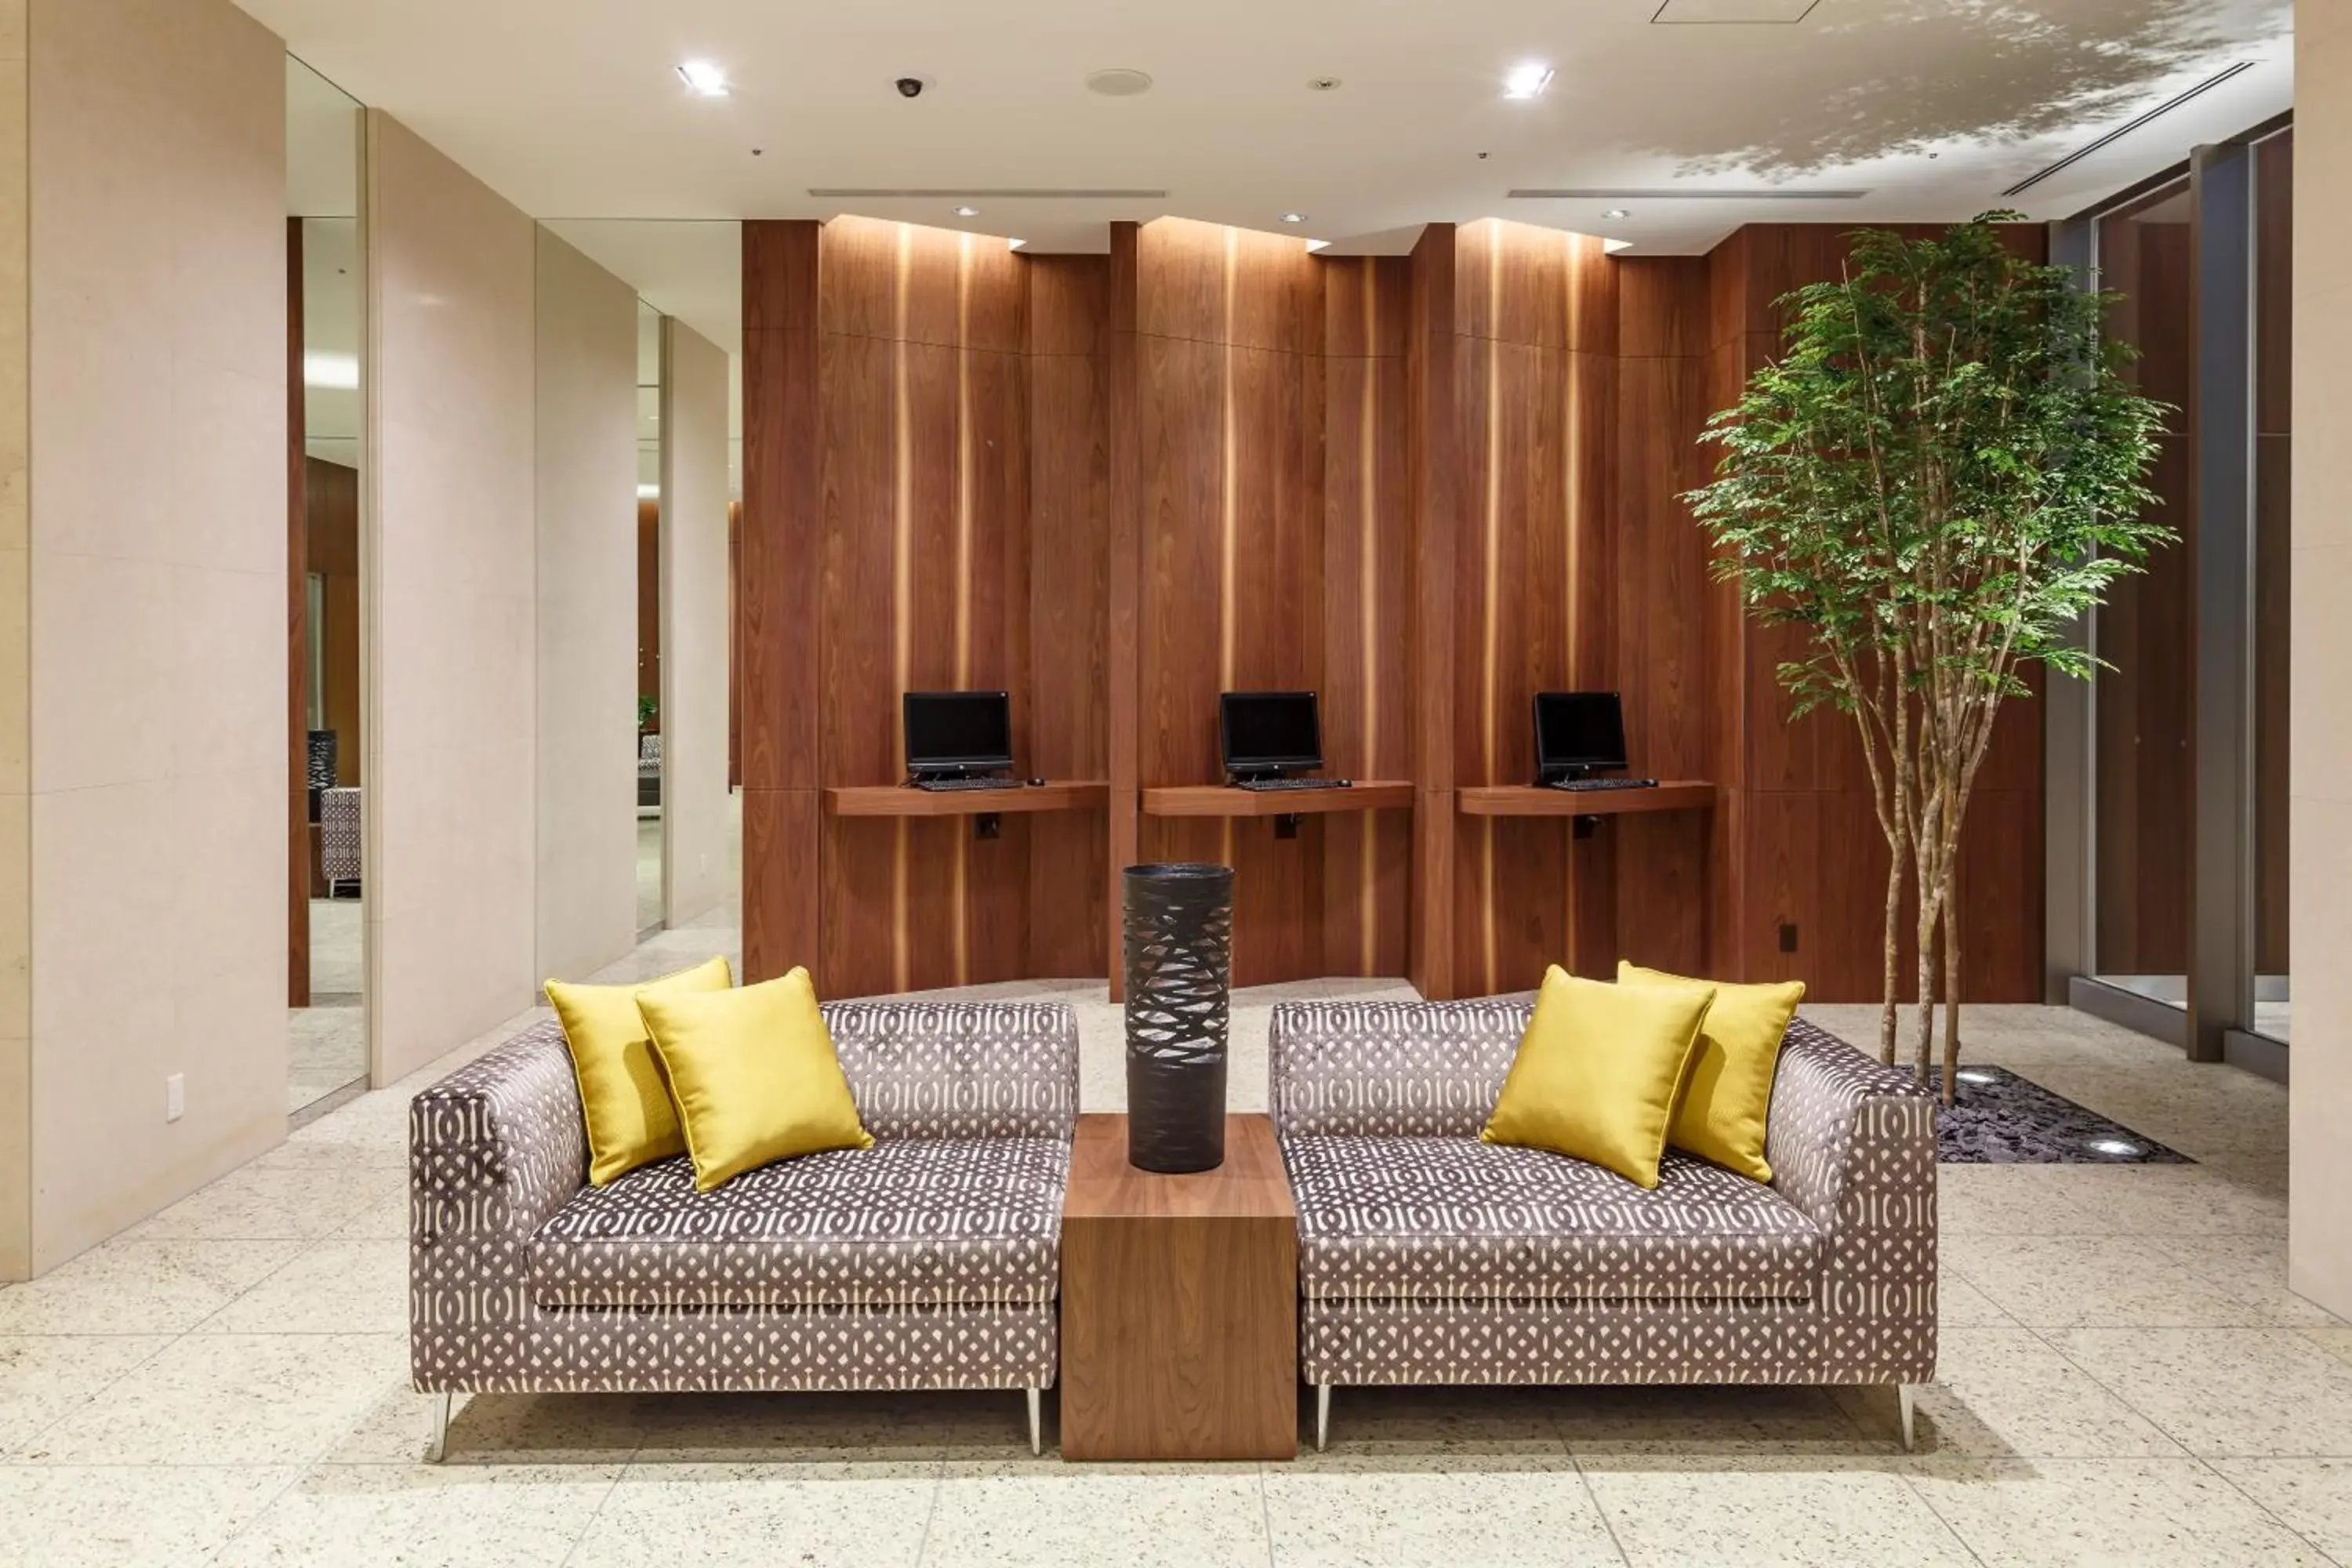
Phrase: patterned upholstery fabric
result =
(649, 756)
(910, 1222)
(497, 1150)
(339, 834)
(1852, 1150)
(1425, 1219)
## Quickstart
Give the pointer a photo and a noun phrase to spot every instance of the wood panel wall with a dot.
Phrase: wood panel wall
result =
(1271, 529)
(907, 523)
(1535, 401)
(649, 608)
(331, 550)
(1426, 487)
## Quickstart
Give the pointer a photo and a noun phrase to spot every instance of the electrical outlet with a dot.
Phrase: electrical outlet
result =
(175, 1097)
(1787, 936)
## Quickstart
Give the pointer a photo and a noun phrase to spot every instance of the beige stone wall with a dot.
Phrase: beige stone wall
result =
(448, 557)
(2320, 768)
(696, 872)
(16, 671)
(157, 602)
(587, 511)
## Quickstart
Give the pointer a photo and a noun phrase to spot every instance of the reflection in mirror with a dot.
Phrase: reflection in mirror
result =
(327, 1041)
(650, 840)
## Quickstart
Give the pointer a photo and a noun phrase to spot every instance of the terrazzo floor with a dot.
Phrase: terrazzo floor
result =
(2125, 1379)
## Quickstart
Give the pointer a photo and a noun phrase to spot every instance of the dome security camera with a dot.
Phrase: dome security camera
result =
(911, 87)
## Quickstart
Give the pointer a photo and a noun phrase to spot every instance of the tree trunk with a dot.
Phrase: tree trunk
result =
(1894, 958)
(1925, 1044)
(1951, 987)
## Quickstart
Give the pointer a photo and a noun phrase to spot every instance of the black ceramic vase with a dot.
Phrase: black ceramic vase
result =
(1180, 969)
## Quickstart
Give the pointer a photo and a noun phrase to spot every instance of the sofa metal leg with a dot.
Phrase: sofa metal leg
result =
(1037, 1420)
(1908, 1396)
(1322, 1415)
(439, 1443)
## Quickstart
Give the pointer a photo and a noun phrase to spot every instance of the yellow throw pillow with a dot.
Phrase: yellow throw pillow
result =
(754, 1075)
(1597, 1071)
(631, 1122)
(1728, 1098)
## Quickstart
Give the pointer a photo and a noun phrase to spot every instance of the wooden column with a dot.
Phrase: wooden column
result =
(776, 636)
(298, 643)
(1435, 479)
(1126, 592)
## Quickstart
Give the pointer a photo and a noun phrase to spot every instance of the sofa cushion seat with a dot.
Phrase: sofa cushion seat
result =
(1451, 1218)
(910, 1222)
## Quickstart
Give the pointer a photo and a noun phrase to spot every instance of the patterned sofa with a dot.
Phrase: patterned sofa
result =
(1426, 1256)
(930, 1260)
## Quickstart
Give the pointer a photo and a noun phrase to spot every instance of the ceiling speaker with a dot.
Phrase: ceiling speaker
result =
(1119, 83)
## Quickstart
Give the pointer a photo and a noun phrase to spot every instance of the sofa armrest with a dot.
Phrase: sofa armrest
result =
(498, 1145)
(960, 1069)
(1852, 1143)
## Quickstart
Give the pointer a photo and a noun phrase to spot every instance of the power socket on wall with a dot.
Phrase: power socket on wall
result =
(175, 1097)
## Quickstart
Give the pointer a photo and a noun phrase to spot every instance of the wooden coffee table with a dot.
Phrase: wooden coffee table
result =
(1179, 1302)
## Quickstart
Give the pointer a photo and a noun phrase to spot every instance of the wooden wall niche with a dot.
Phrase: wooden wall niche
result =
(888, 544)
(1269, 510)
(1425, 487)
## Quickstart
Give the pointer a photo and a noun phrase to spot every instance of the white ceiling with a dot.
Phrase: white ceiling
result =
(571, 110)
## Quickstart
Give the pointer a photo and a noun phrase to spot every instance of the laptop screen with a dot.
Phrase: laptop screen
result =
(957, 730)
(1578, 730)
(1270, 729)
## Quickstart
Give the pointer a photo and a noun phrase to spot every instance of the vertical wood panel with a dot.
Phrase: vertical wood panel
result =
(1068, 605)
(1124, 438)
(1432, 375)
(1368, 606)
(777, 604)
(1232, 392)
(298, 643)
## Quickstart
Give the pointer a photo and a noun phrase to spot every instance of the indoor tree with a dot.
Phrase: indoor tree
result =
(1942, 472)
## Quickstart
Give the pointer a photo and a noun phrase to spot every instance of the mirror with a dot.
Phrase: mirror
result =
(327, 1041)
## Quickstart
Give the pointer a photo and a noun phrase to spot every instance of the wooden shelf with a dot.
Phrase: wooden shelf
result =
(900, 800)
(1530, 800)
(1223, 800)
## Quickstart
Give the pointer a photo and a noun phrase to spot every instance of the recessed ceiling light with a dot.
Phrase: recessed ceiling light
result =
(1294, 218)
(966, 212)
(1014, 244)
(704, 78)
(1526, 80)
(1316, 244)
(1323, 83)
(1616, 212)
(2113, 1146)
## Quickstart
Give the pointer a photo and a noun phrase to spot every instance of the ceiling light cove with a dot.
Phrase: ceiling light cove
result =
(1526, 82)
(704, 78)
